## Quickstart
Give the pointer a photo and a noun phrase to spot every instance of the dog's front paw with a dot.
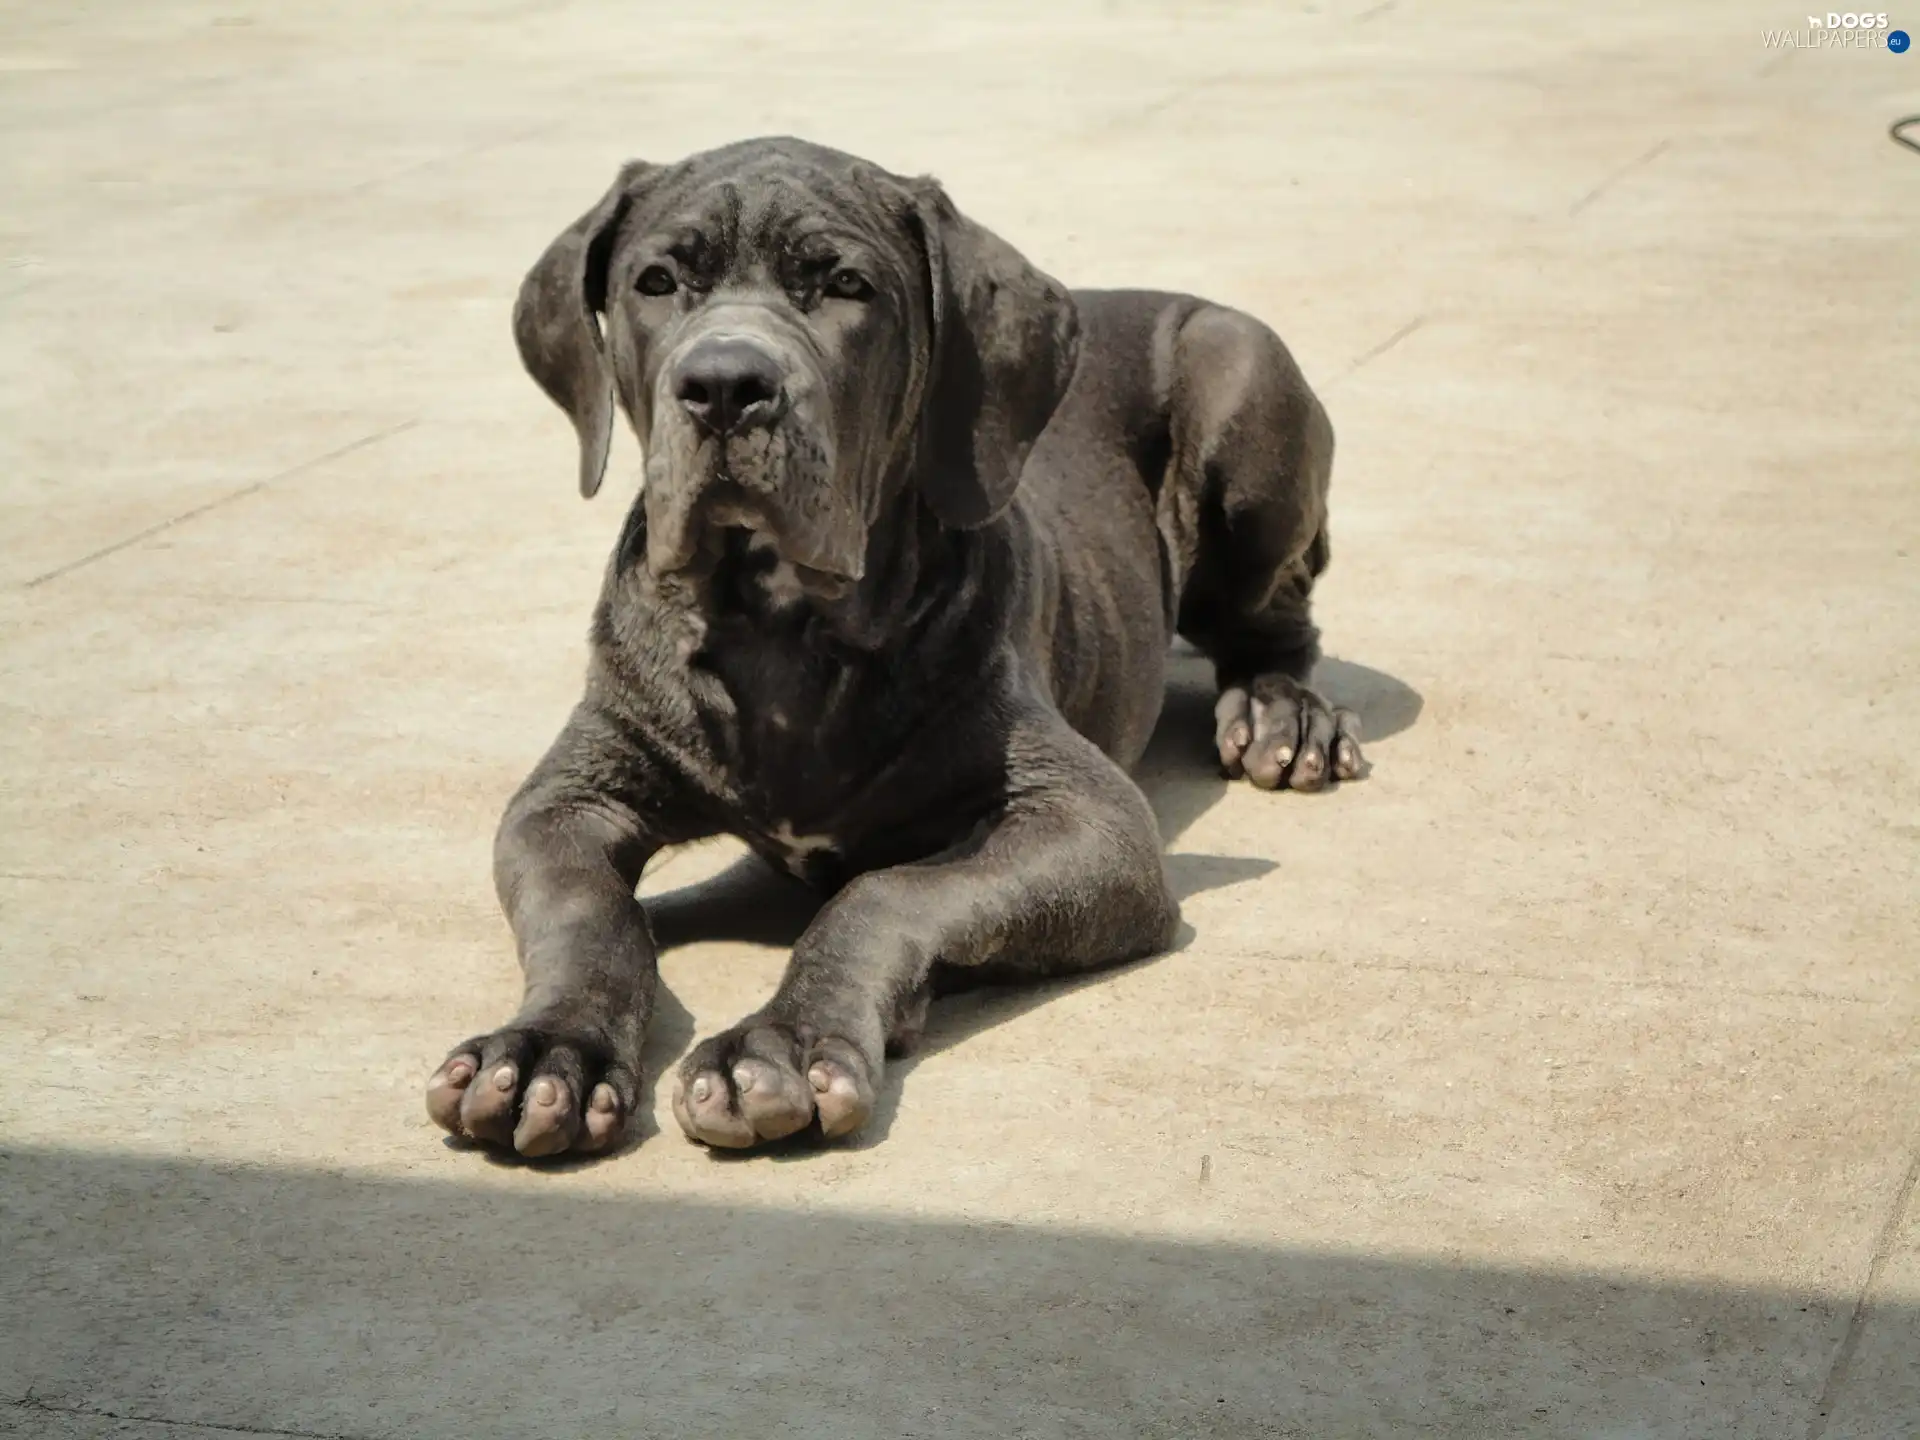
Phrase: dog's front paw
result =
(766, 1080)
(1276, 732)
(535, 1089)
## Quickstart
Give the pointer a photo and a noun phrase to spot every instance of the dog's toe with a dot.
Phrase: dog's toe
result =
(606, 1119)
(1346, 757)
(842, 1094)
(487, 1110)
(448, 1088)
(704, 1106)
(549, 1118)
(1233, 729)
(773, 1099)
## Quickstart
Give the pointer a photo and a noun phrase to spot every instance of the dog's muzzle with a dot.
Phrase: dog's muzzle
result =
(728, 457)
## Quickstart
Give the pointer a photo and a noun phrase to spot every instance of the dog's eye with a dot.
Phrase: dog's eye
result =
(655, 280)
(848, 285)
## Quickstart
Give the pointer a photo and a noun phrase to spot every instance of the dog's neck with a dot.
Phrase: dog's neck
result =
(921, 578)
(915, 567)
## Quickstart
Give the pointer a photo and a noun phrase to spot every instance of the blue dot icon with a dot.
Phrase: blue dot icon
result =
(1897, 42)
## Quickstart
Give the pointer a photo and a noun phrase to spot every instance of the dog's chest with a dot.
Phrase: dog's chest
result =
(792, 743)
(801, 786)
(814, 858)
(813, 752)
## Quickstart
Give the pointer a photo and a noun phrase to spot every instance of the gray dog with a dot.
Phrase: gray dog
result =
(893, 607)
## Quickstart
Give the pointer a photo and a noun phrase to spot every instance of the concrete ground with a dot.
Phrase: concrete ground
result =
(1558, 1080)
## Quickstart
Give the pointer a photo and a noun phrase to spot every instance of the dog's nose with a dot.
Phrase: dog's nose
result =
(728, 385)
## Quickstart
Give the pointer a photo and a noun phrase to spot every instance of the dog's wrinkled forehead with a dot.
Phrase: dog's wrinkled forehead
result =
(729, 212)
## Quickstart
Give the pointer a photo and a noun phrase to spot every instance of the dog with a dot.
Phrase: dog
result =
(917, 529)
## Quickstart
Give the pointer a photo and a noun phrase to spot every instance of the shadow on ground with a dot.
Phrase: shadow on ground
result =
(316, 1304)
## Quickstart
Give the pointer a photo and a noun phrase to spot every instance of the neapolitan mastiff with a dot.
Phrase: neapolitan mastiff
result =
(917, 528)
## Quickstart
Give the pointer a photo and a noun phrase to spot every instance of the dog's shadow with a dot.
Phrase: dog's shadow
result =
(752, 903)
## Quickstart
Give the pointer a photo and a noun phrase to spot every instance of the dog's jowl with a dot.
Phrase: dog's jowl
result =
(917, 528)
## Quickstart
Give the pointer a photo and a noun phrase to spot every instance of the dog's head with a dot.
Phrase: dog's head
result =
(797, 337)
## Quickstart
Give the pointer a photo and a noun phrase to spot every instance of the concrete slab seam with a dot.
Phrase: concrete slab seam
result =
(34, 1405)
(1377, 351)
(1617, 176)
(198, 510)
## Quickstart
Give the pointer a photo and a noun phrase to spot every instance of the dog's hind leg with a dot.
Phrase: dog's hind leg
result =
(1243, 511)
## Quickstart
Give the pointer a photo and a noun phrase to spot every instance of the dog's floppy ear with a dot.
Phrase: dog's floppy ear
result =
(1005, 338)
(556, 321)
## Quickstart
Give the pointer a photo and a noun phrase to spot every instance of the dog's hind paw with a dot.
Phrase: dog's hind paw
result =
(763, 1081)
(1277, 732)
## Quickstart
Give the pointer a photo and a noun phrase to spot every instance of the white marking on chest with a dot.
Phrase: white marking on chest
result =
(781, 584)
(798, 849)
(693, 636)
